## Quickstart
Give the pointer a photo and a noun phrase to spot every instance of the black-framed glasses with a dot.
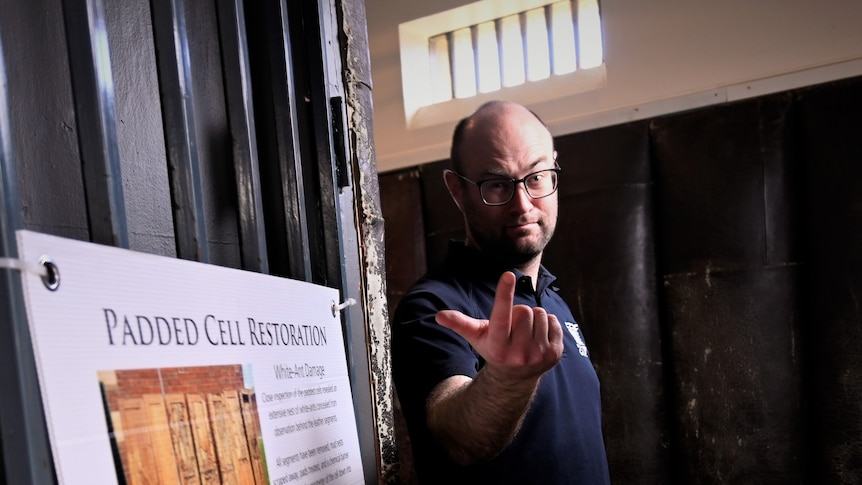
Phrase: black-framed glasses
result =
(499, 191)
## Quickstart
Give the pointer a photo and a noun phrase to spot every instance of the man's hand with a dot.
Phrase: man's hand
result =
(476, 418)
(517, 342)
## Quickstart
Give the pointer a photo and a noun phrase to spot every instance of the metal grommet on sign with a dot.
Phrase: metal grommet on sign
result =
(51, 278)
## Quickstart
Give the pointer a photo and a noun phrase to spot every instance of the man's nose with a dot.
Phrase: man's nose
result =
(521, 200)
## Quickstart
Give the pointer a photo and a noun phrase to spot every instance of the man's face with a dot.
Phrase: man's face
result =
(510, 147)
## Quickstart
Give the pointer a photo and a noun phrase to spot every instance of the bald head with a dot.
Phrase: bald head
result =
(487, 120)
(503, 143)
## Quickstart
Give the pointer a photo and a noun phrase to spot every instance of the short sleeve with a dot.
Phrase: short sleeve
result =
(424, 353)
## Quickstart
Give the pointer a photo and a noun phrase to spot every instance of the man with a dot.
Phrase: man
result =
(491, 371)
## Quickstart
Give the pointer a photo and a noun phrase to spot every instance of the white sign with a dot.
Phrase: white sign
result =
(161, 370)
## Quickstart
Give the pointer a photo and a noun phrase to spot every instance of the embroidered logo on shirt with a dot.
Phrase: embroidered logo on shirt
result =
(576, 332)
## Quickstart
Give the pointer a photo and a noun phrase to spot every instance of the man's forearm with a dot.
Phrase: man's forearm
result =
(475, 419)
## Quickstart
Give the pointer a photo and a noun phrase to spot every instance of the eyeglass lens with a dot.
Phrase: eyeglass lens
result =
(538, 184)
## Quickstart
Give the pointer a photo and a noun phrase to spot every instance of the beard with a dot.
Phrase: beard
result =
(515, 249)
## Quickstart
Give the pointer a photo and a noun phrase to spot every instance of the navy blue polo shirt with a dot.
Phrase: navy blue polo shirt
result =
(560, 440)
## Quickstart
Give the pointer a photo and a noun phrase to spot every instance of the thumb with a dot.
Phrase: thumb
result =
(467, 327)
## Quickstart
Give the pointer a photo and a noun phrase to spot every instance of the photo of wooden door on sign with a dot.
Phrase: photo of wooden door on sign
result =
(184, 425)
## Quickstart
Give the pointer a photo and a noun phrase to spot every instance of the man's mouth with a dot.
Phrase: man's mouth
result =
(523, 228)
(521, 224)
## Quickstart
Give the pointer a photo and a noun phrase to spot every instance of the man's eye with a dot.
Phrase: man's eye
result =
(497, 185)
(536, 180)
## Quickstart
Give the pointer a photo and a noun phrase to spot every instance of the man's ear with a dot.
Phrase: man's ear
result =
(454, 186)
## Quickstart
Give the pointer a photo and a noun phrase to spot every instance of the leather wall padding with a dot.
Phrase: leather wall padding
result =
(603, 255)
(735, 360)
(401, 202)
(722, 185)
(831, 129)
(714, 260)
(443, 221)
(731, 312)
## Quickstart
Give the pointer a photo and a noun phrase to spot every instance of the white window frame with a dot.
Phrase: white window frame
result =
(420, 111)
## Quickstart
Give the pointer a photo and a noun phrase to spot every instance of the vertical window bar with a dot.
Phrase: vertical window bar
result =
(235, 66)
(441, 72)
(26, 453)
(488, 57)
(511, 51)
(556, 38)
(565, 58)
(93, 88)
(463, 63)
(474, 46)
(538, 53)
(590, 48)
(175, 86)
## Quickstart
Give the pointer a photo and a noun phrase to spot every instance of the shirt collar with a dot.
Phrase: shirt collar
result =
(462, 258)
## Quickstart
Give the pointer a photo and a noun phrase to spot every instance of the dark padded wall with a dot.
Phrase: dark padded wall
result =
(713, 258)
(831, 131)
(603, 255)
(406, 246)
(442, 219)
(730, 274)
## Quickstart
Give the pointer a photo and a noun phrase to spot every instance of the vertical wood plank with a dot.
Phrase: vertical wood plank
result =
(241, 458)
(203, 439)
(136, 449)
(93, 86)
(235, 66)
(175, 81)
(181, 436)
(222, 438)
(160, 438)
(21, 410)
(252, 433)
(147, 450)
(276, 121)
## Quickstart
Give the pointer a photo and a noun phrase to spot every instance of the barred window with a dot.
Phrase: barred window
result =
(483, 55)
